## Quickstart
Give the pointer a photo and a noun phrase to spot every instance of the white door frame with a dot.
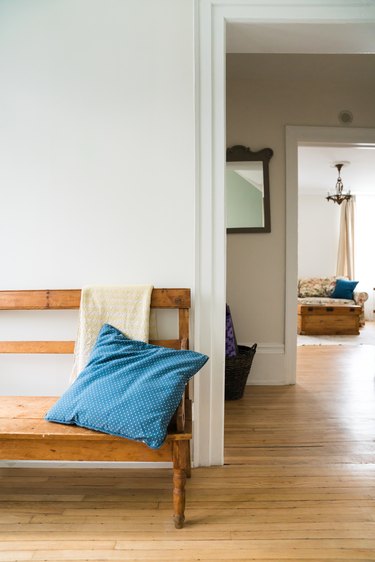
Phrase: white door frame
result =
(211, 17)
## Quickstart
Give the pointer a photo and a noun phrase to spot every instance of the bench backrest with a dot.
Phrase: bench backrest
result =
(178, 299)
(70, 299)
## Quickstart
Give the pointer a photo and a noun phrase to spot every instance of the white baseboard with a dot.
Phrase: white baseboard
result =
(268, 366)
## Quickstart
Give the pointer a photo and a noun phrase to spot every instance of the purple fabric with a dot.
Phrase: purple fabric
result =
(231, 349)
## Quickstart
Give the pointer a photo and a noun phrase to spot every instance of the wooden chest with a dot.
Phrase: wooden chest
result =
(328, 320)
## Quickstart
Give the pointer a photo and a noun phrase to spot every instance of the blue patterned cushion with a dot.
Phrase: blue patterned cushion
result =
(128, 388)
(344, 289)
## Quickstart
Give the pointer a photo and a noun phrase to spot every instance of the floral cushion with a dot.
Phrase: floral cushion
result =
(324, 301)
(316, 286)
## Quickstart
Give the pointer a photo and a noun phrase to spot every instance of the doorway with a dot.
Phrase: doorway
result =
(319, 223)
(249, 120)
(210, 280)
(295, 138)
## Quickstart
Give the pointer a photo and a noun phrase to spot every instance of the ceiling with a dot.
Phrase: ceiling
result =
(317, 173)
(304, 38)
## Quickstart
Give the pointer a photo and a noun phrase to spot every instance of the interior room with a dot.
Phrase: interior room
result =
(319, 248)
(265, 93)
(115, 120)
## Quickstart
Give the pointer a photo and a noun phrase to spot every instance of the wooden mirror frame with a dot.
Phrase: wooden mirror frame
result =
(240, 153)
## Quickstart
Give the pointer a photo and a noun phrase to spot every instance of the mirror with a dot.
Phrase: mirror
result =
(247, 190)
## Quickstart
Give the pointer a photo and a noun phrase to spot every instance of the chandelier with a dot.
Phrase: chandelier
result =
(339, 196)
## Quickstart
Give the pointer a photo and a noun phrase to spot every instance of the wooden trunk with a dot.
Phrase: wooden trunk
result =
(328, 320)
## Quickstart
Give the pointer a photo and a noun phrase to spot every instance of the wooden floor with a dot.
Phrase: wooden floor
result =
(299, 484)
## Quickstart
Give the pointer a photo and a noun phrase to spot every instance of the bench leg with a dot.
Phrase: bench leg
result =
(180, 468)
(179, 479)
(188, 464)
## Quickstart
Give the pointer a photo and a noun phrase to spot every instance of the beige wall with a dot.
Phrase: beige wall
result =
(264, 94)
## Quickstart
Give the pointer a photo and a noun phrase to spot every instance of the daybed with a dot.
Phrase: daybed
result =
(332, 315)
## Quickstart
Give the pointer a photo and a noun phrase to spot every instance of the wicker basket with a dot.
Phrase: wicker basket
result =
(237, 370)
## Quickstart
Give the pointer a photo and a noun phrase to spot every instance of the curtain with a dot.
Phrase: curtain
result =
(364, 248)
(345, 258)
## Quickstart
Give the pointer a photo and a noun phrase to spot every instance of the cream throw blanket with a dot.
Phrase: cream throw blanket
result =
(127, 308)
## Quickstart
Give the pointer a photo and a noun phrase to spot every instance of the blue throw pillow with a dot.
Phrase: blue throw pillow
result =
(128, 388)
(344, 289)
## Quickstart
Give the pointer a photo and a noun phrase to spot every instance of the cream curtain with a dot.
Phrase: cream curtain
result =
(345, 258)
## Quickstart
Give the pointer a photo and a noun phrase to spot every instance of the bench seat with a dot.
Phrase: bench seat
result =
(25, 435)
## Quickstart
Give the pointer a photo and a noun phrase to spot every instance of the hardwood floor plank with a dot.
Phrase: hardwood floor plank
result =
(213, 554)
(21, 545)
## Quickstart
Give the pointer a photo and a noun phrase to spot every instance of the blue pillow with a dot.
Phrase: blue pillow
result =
(344, 289)
(128, 388)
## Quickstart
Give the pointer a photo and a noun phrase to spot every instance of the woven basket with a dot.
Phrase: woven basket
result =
(237, 370)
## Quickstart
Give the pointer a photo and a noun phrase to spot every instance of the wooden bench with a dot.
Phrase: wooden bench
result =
(25, 435)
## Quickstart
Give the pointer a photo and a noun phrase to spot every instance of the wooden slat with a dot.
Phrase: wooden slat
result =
(173, 344)
(60, 299)
(170, 298)
(40, 300)
(23, 300)
(81, 450)
(63, 347)
(31, 407)
(58, 347)
(70, 299)
(183, 325)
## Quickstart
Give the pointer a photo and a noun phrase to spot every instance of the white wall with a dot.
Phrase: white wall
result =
(264, 94)
(97, 167)
(318, 236)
